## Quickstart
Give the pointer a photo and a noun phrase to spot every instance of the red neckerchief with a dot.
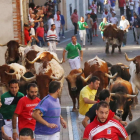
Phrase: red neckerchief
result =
(58, 17)
(92, 13)
(106, 12)
(98, 101)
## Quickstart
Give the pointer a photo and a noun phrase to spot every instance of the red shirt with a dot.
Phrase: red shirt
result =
(40, 32)
(24, 110)
(26, 36)
(111, 130)
(121, 3)
(74, 18)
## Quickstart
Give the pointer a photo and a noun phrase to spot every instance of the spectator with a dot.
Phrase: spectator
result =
(32, 32)
(24, 110)
(101, 6)
(104, 126)
(128, 12)
(62, 24)
(9, 102)
(74, 19)
(91, 114)
(89, 10)
(89, 22)
(94, 7)
(40, 34)
(26, 134)
(102, 25)
(50, 21)
(124, 25)
(87, 96)
(107, 5)
(72, 53)
(113, 3)
(107, 15)
(133, 129)
(82, 30)
(57, 21)
(131, 22)
(48, 115)
(136, 6)
(136, 25)
(121, 6)
(27, 37)
(114, 19)
(52, 39)
(131, 6)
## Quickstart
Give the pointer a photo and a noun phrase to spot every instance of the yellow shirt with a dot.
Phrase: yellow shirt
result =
(88, 93)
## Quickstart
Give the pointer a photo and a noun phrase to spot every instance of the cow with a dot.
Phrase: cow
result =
(98, 67)
(113, 36)
(47, 71)
(9, 72)
(134, 70)
(76, 81)
(121, 98)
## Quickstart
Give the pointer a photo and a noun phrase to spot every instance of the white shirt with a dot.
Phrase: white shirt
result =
(89, 11)
(114, 20)
(31, 20)
(107, 6)
(131, 6)
(124, 24)
(107, 16)
(32, 32)
(57, 23)
(50, 22)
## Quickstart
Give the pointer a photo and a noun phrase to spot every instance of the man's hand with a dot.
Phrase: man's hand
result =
(56, 43)
(63, 123)
(52, 125)
(63, 60)
(124, 123)
(81, 58)
(15, 136)
(48, 43)
(10, 138)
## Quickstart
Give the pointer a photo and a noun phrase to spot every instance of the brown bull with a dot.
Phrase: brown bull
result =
(98, 67)
(76, 81)
(121, 98)
(114, 37)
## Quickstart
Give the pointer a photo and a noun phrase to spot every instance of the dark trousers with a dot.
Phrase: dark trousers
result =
(75, 28)
(134, 35)
(124, 38)
(121, 11)
(89, 34)
(41, 42)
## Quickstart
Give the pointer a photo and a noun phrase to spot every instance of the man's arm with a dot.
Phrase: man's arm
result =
(85, 121)
(63, 122)
(14, 121)
(36, 115)
(81, 55)
(88, 101)
(64, 51)
(4, 136)
(127, 138)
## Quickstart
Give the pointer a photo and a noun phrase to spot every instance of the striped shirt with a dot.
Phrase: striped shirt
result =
(51, 36)
(110, 130)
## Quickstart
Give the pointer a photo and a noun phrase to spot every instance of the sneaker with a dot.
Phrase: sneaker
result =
(93, 35)
(96, 35)
(63, 36)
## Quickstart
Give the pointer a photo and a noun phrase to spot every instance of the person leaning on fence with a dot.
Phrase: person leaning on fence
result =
(73, 54)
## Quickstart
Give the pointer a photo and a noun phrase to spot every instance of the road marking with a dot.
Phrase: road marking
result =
(69, 123)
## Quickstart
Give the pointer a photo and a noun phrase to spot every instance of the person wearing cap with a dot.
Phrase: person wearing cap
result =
(114, 19)
(124, 25)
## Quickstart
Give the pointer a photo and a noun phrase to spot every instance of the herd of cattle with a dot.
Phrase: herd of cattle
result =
(34, 64)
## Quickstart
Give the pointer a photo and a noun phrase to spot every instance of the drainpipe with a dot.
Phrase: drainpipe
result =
(21, 17)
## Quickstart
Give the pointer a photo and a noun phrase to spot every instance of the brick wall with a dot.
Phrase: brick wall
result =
(16, 20)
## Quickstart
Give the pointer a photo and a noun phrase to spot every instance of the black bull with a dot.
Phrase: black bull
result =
(114, 37)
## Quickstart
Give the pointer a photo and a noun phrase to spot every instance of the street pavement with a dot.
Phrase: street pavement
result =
(90, 51)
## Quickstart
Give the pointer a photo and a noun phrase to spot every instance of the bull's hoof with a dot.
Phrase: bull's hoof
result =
(130, 117)
(74, 110)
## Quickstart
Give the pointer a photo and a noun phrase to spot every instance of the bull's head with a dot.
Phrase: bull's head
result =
(136, 61)
(7, 73)
(45, 56)
(72, 79)
(121, 102)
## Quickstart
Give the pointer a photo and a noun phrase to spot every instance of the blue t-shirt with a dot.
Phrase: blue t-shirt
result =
(51, 110)
(62, 20)
(113, 2)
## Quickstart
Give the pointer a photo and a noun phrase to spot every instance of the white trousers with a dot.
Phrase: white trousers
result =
(52, 47)
(75, 63)
(82, 34)
(80, 125)
(8, 128)
(57, 32)
(55, 136)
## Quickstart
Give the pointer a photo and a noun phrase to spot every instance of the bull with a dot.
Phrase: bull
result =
(121, 98)
(76, 81)
(98, 67)
(114, 37)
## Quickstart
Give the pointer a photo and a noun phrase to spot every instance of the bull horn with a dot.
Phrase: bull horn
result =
(111, 77)
(112, 94)
(28, 79)
(86, 79)
(56, 78)
(123, 67)
(131, 96)
(15, 72)
(32, 62)
(129, 59)
(3, 44)
(60, 62)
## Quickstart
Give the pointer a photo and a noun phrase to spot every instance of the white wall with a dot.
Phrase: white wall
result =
(6, 23)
